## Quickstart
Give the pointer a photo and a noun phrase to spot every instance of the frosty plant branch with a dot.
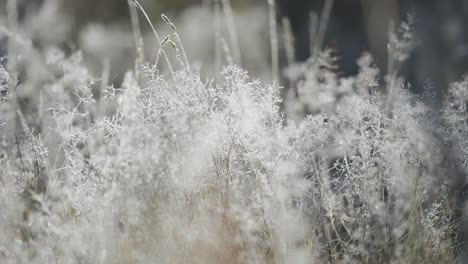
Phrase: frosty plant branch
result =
(322, 27)
(231, 27)
(274, 41)
(313, 27)
(179, 42)
(156, 36)
(138, 39)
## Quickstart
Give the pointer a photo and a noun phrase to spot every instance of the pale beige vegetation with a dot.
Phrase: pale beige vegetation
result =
(170, 167)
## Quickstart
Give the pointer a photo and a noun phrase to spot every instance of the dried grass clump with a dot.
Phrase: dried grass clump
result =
(169, 168)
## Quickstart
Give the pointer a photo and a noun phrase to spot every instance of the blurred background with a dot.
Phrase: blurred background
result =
(102, 30)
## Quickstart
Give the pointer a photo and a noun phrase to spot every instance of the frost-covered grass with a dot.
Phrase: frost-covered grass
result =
(172, 168)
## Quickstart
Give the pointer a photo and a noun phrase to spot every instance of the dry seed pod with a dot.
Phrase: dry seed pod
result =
(165, 40)
(166, 19)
